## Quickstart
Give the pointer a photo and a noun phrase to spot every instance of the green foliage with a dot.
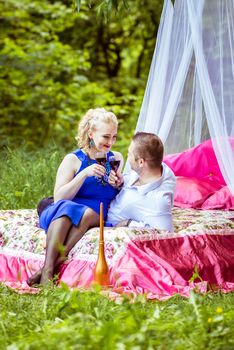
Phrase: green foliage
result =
(59, 318)
(104, 7)
(56, 63)
(42, 77)
(27, 177)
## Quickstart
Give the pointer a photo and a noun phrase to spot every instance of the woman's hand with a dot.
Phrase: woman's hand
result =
(115, 179)
(67, 184)
(95, 170)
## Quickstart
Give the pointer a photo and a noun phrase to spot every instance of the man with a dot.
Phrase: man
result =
(146, 196)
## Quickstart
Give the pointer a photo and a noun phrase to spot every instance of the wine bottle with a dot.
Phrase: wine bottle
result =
(101, 271)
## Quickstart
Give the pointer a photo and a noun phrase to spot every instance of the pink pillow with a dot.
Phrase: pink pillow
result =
(222, 199)
(192, 192)
(199, 162)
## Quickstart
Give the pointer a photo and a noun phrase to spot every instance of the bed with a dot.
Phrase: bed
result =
(199, 253)
(141, 261)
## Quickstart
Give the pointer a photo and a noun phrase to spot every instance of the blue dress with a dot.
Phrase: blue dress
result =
(93, 191)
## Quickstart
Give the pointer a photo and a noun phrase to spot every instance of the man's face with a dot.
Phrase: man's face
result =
(132, 158)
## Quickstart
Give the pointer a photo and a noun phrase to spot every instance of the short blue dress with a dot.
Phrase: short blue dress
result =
(93, 191)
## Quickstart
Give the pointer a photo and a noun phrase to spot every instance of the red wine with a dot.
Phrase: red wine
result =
(114, 164)
(101, 160)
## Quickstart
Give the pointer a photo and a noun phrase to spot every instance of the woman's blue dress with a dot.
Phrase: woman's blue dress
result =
(93, 191)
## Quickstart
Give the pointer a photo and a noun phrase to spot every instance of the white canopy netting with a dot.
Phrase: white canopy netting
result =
(189, 95)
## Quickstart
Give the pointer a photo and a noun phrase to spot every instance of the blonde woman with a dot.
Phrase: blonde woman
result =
(81, 184)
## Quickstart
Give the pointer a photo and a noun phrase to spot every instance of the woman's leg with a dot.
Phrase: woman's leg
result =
(74, 234)
(88, 220)
(57, 234)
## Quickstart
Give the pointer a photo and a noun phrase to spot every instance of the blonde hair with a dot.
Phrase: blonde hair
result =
(90, 121)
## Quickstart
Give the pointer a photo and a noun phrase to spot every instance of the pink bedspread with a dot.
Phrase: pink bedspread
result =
(157, 263)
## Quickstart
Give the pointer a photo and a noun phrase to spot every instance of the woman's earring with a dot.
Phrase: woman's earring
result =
(91, 143)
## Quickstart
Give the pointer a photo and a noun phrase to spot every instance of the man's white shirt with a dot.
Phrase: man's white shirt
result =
(149, 205)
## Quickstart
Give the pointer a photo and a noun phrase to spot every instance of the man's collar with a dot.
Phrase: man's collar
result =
(143, 189)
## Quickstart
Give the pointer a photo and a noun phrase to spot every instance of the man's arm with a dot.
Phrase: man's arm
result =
(156, 214)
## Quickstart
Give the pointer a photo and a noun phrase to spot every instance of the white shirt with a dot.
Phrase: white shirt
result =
(149, 205)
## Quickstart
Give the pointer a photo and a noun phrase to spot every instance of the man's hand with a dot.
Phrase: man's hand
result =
(115, 179)
(123, 223)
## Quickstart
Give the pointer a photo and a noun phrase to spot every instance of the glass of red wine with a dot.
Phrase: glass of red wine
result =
(100, 158)
(114, 163)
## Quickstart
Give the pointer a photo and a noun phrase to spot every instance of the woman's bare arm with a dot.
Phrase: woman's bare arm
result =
(66, 185)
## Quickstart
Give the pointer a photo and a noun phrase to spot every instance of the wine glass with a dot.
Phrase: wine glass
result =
(100, 158)
(114, 163)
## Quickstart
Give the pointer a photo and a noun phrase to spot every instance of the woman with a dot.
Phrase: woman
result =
(81, 184)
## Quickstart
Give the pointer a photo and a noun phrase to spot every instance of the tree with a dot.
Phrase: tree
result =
(55, 63)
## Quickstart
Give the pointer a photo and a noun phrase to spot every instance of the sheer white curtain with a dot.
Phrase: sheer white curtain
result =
(190, 91)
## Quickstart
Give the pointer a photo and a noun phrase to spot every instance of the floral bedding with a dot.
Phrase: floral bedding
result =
(19, 231)
(158, 263)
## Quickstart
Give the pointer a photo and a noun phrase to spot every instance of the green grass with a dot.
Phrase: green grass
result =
(26, 177)
(60, 318)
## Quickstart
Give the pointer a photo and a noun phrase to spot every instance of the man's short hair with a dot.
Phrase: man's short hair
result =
(149, 147)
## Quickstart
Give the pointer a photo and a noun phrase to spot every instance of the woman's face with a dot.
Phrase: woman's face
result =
(104, 136)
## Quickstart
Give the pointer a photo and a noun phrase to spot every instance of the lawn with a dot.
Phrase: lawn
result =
(59, 318)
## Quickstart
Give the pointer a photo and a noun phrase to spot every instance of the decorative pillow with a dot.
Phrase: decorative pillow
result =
(199, 162)
(191, 192)
(222, 199)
